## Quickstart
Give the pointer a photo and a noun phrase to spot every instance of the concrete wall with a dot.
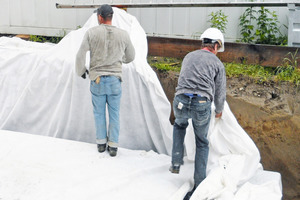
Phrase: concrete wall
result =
(43, 18)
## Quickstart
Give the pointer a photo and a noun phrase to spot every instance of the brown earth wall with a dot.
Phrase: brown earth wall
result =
(270, 114)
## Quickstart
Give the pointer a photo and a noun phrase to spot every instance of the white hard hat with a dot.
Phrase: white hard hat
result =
(214, 35)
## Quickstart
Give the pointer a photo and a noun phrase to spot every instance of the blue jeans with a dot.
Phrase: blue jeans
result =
(108, 91)
(199, 109)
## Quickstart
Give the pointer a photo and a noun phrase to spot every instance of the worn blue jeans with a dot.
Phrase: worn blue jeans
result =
(108, 91)
(199, 110)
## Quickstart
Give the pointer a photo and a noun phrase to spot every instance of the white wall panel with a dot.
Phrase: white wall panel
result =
(42, 18)
(190, 22)
(4, 13)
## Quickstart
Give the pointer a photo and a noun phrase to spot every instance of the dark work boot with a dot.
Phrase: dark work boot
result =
(112, 151)
(189, 194)
(174, 169)
(101, 147)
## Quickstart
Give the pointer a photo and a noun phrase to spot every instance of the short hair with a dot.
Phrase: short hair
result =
(210, 46)
(107, 18)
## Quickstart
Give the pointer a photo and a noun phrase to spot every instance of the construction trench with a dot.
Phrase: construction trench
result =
(269, 112)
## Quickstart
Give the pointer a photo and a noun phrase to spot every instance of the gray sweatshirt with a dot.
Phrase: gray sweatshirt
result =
(109, 47)
(203, 73)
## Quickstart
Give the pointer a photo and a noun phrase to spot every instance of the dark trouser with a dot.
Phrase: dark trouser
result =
(199, 109)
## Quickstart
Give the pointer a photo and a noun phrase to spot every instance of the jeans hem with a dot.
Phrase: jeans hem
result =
(101, 141)
(112, 144)
(177, 163)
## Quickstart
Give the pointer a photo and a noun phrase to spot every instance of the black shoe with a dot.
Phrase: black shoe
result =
(101, 147)
(189, 194)
(112, 151)
(174, 169)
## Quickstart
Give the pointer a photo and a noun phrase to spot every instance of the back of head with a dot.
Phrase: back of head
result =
(105, 11)
(211, 36)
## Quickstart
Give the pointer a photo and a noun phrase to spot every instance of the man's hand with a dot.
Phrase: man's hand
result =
(84, 75)
(218, 115)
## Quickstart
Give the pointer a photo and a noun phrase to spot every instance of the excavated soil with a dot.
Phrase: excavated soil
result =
(270, 114)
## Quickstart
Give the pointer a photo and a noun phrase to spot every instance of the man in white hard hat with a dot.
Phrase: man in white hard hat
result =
(109, 47)
(202, 80)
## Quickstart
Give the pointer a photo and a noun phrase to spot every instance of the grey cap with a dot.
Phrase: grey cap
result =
(105, 10)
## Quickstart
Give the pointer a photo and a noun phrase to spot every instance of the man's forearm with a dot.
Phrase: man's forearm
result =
(80, 64)
(129, 54)
(81, 56)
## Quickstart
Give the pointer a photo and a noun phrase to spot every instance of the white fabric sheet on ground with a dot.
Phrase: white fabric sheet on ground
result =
(40, 94)
(43, 95)
(42, 168)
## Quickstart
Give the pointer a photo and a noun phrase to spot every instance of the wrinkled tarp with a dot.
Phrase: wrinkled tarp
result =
(47, 168)
(41, 94)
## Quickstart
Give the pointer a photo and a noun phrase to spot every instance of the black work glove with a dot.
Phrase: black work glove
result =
(84, 75)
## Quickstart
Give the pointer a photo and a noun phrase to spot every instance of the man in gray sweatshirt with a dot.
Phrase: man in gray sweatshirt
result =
(202, 80)
(109, 47)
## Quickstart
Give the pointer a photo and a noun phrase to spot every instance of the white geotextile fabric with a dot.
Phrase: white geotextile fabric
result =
(41, 94)
(45, 168)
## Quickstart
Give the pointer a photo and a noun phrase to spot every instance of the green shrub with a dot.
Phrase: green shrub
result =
(42, 39)
(266, 23)
(286, 72)
(246, 24)
(218, 20)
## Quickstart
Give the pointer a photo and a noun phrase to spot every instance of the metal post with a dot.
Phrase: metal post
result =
(294, 26)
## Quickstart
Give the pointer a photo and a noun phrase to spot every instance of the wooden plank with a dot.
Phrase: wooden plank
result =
(265, 55)
(24, 37)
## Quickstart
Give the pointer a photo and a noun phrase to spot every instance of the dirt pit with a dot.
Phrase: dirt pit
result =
(270, 114)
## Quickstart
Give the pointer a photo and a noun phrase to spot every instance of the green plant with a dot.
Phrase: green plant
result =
(218, 20)
(166, 67)
(37, 38)
(288, 71)
(259, 73)
(267, 29)
(53, 39)
(288, 68)
(165, 63)
(293, 61)
(266, 23)
(246, 24)
(57, 39)
(42, 39)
